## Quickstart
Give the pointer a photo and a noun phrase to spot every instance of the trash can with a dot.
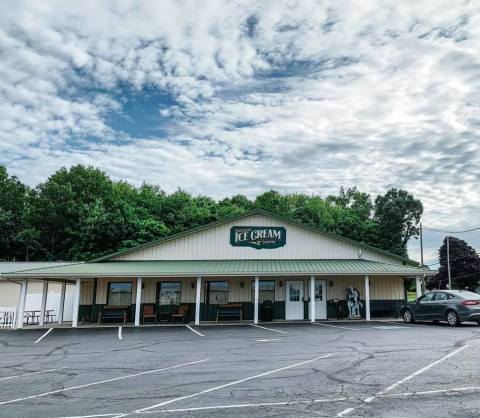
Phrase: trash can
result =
(267, 311)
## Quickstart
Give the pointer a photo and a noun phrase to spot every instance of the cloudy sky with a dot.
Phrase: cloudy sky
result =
(224, 97)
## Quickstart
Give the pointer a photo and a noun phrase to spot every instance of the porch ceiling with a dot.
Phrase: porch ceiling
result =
(222, 267)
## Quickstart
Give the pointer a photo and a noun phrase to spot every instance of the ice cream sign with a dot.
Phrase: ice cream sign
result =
(258, 237)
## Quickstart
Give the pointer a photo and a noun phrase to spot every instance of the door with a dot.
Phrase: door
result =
(320, 299)
(294, 299)
(425, 307)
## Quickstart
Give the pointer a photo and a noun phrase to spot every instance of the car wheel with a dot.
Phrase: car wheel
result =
(453, 319)
(478, 322)
(408, 317)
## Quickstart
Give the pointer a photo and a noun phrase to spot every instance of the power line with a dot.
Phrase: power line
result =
(451, 232)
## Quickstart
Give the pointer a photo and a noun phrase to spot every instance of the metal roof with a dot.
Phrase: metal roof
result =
(11, 266)
(192, 268)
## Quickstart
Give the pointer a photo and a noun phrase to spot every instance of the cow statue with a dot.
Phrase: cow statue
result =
(353, 302)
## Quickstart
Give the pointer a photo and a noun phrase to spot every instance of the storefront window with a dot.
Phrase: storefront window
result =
(318, 291)
(266, 290)
(169, 293)
(217, 293)
(119, 294)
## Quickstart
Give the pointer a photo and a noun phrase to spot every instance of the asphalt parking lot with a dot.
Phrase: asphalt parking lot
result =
(332, 369)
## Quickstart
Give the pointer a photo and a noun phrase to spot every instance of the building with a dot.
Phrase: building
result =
(10, 290)
(243, 260)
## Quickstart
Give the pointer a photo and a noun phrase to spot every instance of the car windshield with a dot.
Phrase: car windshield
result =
(465, 294)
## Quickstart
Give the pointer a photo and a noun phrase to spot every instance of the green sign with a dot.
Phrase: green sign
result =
(258, 237)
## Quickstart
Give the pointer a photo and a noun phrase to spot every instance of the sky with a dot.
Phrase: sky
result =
(226, 97)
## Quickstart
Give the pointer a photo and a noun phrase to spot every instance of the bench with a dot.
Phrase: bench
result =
(230, 310)
(114, 312)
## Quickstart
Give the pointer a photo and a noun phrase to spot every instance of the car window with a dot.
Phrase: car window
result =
(441, 296)
(427, 297)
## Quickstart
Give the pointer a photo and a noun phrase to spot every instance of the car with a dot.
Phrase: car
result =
(452, 306)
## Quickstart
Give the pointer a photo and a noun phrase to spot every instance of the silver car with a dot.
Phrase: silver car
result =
(453, 306)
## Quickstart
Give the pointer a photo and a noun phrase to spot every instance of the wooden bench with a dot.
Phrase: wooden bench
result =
(230, 310)
(113, 312)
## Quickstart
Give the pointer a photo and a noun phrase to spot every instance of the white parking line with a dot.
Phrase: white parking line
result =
(267, 340)
(99, 416)
(30, 374)
(432, 392)
(52, 392)
(44, 335)
(336, 326)
(269, 329)
(120, 333)
(405, 379)
(236, 382)
(195, 331)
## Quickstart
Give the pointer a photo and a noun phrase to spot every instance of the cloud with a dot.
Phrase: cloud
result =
(292, 95)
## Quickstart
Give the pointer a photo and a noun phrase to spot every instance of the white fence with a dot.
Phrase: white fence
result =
(7, 317)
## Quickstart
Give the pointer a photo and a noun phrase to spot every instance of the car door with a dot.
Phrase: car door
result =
(440, 306)
(425, 307)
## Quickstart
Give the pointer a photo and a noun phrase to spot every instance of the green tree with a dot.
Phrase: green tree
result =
(397, 214)
(12, 209)
(464, 266)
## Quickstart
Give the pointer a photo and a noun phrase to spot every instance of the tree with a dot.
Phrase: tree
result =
(397, 214)
(464, 266)
(12, 209)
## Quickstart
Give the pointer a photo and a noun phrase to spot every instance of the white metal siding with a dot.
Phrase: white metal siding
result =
(214, 244)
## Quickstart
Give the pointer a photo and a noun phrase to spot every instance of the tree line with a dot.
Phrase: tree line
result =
(80, 213)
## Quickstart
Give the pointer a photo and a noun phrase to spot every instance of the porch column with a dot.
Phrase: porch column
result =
(76, 303)
(43, 305)
(62, 303)
(255, 301)
(367, 298)
(21, 303)
(418, 285)
(197, 300)
(312, 299)
(138, 302)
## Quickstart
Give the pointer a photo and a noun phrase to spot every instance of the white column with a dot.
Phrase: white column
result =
(43, 305)
(418, 285)
(367, 298)
(255, 301)
(197, 300)
(21, 304)
(312, 299)
(76, 303)
(138, 301)
(62, 303)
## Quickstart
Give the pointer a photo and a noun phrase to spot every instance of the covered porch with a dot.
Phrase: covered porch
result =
(256, 290)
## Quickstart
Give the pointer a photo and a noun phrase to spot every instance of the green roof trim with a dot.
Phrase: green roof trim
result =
(251, 213)
(193, 268)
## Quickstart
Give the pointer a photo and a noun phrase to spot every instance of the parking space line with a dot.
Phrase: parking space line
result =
(43, 336)
(52, 392)
(120, 415)
(195, 331)
(120, 333)
(432, 392)
(336, 326)
(236, 382)
(269, 329)
(405, 379)
(30, 374)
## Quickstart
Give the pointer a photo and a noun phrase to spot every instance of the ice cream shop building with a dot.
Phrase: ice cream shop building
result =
(253, 267)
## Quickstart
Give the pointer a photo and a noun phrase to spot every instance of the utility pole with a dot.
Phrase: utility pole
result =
(448, 264)
(421, 244)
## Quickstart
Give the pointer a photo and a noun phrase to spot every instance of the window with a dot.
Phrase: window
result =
(266, 290)
(119, 294)
(217, 293)
(441, 296)
(294, 292)
(169, 293)
(428, 297)
(318, 291)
